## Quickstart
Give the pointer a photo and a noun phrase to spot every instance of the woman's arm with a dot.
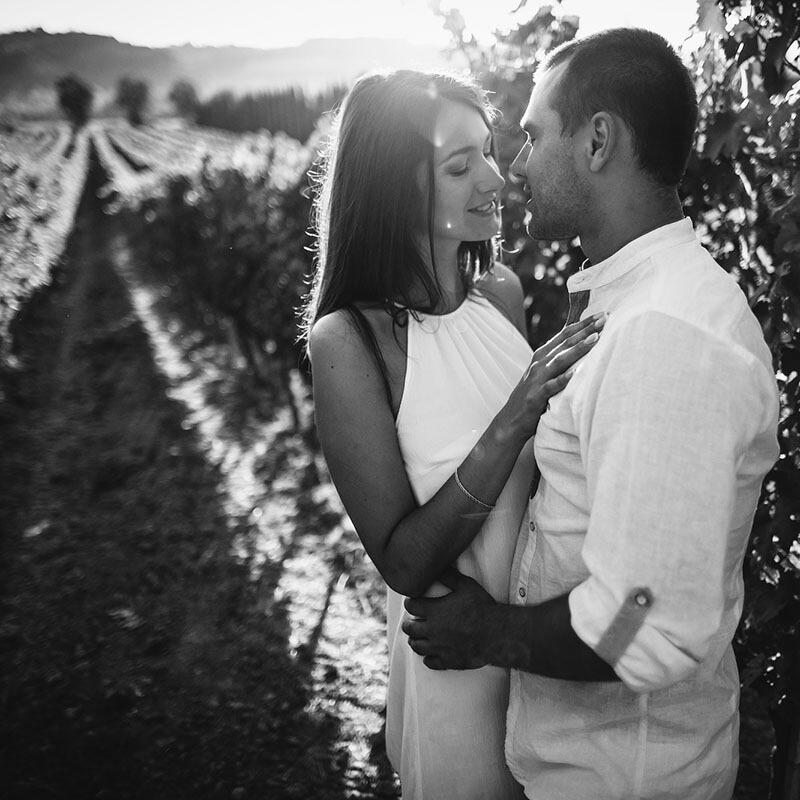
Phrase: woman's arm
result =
(411, 545)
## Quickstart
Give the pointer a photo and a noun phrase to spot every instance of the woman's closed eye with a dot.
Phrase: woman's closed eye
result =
(462, 169)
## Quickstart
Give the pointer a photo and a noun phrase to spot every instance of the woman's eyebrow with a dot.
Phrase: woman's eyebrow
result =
(466, 149)
(460, 151)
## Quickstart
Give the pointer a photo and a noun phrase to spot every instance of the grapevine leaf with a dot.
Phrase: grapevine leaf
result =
(747, 49)
(710, 18)
(724, 134)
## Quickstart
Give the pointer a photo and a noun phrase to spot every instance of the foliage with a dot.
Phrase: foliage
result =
(742, 191)
(231, 244)
(289, 111)
(75, 99)
(132, 96)
(184, 97)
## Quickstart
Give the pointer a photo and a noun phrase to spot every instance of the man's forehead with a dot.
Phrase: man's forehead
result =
(539, 105)
(535, 111)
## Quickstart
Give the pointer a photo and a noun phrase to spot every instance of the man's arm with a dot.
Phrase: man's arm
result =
(468, 629)
(670, 412)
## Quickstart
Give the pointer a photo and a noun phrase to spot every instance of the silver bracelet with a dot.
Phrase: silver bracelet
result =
(470, 495)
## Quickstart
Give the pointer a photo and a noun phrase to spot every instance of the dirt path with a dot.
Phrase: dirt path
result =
(182, 613)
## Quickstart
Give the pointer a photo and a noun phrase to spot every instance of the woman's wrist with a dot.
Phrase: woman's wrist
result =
(509, 430)
(487, 507)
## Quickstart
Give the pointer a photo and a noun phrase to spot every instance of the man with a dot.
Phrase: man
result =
(626, 587)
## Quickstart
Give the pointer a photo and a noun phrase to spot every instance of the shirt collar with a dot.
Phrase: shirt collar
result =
(630, 256)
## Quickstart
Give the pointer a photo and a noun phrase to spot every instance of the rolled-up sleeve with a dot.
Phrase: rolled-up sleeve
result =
(668, 413)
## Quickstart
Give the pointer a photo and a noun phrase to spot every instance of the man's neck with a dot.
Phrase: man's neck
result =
(626, 222)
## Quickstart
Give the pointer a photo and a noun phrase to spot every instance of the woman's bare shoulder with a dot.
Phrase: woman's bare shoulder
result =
(501, 281)
(335, 333)
(340, 329)
(502, 287)
(337, 343)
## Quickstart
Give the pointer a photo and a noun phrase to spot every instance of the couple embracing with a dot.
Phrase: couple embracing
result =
(572, 641)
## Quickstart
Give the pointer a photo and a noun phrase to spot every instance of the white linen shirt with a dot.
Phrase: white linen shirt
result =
(651, 464)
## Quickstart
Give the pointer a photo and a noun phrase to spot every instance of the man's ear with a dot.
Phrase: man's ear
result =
(603, 138)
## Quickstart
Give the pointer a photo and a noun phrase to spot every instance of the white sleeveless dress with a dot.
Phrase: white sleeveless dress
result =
(445, 731)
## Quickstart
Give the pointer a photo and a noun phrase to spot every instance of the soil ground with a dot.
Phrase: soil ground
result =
(184, 610)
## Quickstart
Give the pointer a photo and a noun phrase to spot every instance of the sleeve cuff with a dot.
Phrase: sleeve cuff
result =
(621, 631)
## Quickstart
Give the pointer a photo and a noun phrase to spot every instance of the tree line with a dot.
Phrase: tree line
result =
(289, 110)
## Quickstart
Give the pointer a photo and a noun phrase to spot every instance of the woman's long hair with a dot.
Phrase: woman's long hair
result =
(370, 208)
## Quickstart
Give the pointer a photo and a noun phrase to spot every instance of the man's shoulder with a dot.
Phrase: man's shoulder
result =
(690, 286)
(691, 315)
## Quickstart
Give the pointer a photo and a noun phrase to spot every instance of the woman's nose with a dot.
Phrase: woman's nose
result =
(517, 171)
(494, 181)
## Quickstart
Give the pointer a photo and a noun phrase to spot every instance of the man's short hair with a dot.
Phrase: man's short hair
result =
(635, 74)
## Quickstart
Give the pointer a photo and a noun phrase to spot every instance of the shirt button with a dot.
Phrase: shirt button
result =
(641, 599)
(522, 591)
(531, 526)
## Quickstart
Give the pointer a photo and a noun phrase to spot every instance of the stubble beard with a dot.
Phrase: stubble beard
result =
(556, 220)
(543, 229)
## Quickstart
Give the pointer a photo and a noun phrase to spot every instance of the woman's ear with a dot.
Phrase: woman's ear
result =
(603, 136)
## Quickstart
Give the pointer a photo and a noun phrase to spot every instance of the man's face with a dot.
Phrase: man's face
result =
(547, 164)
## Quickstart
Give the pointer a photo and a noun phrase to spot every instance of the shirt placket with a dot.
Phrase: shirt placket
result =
(522, 589)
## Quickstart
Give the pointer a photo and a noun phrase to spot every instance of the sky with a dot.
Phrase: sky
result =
(285, 23)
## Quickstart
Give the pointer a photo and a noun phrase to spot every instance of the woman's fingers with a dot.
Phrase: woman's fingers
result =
(544, 369)
(570, 335)
(597, 324)
(571, 330)
(557, 384)
(561, 363)
(549, 374)
(582, 324)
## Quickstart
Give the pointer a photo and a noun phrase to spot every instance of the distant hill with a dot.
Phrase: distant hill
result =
(31, 61)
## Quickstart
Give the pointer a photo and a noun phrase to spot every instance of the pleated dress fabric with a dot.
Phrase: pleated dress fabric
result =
(445, 730)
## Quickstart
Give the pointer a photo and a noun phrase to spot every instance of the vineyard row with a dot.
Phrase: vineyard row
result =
(43, 169)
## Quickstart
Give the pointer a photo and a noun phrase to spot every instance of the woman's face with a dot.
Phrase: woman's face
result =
(466, 179)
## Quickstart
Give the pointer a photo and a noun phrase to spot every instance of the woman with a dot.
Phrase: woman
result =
(425, 392)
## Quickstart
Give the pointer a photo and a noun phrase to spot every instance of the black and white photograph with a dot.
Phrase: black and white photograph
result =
(400, 400)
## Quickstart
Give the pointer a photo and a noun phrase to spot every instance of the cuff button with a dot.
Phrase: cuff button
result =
(642, 598)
